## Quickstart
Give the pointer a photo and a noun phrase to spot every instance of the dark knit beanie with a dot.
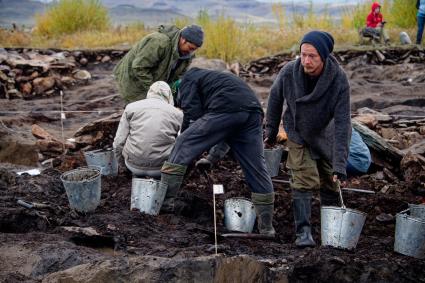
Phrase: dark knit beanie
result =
(193, 34)
(321, 40)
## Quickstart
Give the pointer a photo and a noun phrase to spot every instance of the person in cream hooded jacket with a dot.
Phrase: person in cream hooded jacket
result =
(147, 131)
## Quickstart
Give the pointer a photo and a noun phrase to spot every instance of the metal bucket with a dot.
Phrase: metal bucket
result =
(239, 215)
(147, 195)
(105, 159)
(83, 188)
(410, 236)
(341, 227)
(417, 210)
(273, 156)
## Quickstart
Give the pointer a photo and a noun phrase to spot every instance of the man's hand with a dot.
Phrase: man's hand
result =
(269, 143)
(340, 177)
(204, 164)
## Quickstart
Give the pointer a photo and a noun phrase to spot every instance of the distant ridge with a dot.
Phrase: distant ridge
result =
(154, 12)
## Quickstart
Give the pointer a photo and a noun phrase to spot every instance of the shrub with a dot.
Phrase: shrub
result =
(404, 13)
(71, 16)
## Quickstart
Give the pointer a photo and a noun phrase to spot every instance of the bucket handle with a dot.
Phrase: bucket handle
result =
(340, 195)
(404, 211)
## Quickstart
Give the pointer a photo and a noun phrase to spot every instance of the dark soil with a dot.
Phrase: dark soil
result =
(190, 234)
(122, 233)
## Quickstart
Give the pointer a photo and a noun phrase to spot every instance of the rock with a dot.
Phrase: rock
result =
(41, 133)
(104, 128)
(67, 80)
(83, 61)
(106, 59)
(368, 120)
(41, 85)
(50, 146)
(385, 218)
(89, 138)
(22, 79)
(412, 137)
(98, 58)
(7, 177)
(404, 38)
(385, 189)
(77, 54)
(34, 75)
(82, 75)
(209, 64)
(388, 133)
(390, 176)
(381, 117)
(88, 231)
(13, 93)
(379, 175)
(413, 168)
(418, 148)
(3, 77)
(422, 130)
(235, 68)
(17, 149)
(337, 259)
(26, 89)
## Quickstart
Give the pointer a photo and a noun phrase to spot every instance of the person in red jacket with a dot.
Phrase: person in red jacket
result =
(375, 21)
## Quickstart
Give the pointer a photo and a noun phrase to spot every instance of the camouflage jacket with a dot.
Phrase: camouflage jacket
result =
(151, 59)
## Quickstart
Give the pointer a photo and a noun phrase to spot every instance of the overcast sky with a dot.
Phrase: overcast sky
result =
(314, 1)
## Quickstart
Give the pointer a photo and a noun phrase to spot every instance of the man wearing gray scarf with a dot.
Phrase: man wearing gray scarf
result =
(317, 121)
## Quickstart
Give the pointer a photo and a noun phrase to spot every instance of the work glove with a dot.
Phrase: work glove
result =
(175, 87)
(204, 164)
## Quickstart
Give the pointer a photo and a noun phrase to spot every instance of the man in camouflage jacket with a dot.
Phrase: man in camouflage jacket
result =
(159, 56)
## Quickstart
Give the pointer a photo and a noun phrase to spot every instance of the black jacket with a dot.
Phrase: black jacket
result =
(205, 91)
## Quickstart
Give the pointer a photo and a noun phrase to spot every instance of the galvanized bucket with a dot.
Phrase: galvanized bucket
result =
(341, 227)
(147, 195)
(409, 235)
(417, 210)
(105, 159)
(239, 215)
(83, 188)
(273, 157)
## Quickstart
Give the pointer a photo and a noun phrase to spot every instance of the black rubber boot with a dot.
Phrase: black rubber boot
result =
(172, 175)
(302, 215)
(264, 206)
(329, 198)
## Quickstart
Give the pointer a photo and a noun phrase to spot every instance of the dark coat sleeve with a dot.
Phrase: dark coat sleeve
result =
(275, 108)
(190, 102)
(418, 2)
(342, 117)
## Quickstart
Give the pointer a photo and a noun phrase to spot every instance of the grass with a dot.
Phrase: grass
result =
(225, 38)
(72, 16)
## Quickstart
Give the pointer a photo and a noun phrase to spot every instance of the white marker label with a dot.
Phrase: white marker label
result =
(63, 117)
(218, 189)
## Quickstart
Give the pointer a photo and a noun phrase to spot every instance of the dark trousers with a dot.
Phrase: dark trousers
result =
(421, 23)
(242, 131)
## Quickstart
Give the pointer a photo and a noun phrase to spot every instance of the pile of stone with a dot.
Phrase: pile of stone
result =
(27, 74)
(397, 146)
(390, 56)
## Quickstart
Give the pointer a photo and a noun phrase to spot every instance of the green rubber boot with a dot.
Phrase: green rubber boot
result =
(302, 215)
(264, 205)
(172, 175)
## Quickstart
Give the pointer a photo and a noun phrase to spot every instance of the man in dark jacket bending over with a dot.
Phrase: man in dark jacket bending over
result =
(220, 107)
(317, 121)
